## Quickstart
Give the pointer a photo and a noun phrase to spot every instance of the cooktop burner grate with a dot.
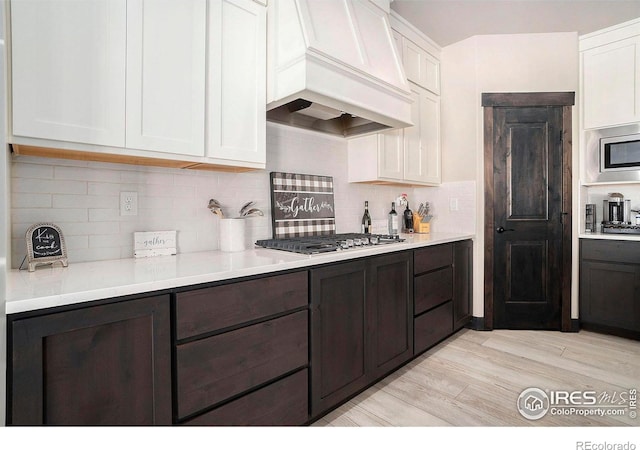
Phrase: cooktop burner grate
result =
(310, 245)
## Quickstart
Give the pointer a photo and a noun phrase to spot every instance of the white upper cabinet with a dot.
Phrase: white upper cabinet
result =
(422, 141)
(411, 155)
(68, 70)
(421, 66)
(166, 53)
(420, 55)
(390, 155)
(237, 81)
(407, 156)
(610, 76)
(167, 80)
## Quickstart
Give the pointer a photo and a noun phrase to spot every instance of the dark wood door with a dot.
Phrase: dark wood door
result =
(528, 217)
(338, 333)
(390, 294)
(99, 365)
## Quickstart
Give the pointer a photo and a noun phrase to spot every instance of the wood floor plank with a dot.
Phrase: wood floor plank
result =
(580, 367)
(474, 378)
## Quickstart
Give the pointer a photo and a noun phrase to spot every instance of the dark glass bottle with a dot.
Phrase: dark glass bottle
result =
(408, 220)
(366, 219)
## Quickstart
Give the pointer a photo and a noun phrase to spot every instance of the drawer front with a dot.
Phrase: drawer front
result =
(214, 369)
(205, 310)
(432, 258)
(284, 402)
(433, 326)
(432, 289)
(610, 250)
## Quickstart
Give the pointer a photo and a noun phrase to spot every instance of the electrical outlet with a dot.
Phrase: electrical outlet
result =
(453, 204)
(128, 203)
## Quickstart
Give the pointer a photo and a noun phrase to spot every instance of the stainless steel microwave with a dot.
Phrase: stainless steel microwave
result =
(613, 154)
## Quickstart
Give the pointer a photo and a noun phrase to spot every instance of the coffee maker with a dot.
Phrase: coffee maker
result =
(616, 210)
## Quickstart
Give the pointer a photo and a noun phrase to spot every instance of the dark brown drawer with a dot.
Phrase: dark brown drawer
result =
(610, 250)
(431, 258)
(432, 289)
(284, 402)
(205, 310)
(216, 368)
(433, 326)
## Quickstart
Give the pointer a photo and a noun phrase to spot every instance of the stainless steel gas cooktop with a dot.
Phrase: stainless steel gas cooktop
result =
(310, 245)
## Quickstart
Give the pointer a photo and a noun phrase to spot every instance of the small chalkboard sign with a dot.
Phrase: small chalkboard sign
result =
(45, 245)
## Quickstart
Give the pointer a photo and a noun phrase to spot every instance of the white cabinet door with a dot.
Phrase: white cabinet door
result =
(422, 141)
(68, 70)
(420, 66)
(166, 51)
(390, 155)
(430, 138)
(237, 81)
(611, 84)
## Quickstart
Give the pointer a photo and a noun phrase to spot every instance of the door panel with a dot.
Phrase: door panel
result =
(527, 272)
(527, 195)
(528, 206)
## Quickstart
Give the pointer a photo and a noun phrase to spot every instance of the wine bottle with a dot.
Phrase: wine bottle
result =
(393, 220)
(408, 220)
(366, 219)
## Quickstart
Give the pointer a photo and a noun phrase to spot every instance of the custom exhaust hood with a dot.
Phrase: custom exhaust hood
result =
(333, 67)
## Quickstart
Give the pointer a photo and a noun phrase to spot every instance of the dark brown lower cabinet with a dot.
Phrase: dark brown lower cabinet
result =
(212, 370)
(433, 326)
(442, 288)
(242, 352)
(97, 365)
(462, 283)
(284, 402)
(361, 325)
(610, 286)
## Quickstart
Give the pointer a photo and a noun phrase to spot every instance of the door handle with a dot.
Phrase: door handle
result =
(503, 229)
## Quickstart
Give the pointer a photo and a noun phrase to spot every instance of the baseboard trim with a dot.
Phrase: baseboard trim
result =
(575, 325)
(477, 324)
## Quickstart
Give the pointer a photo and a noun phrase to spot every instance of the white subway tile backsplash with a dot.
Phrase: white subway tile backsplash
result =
(83, 198)
(33, 215)
(31, 171)
(85, 174)
(20, 200)
(103, 215)
(40, 186)
(84, 201)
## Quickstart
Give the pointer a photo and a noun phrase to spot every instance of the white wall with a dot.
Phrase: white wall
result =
(545, 62)
(83, 197)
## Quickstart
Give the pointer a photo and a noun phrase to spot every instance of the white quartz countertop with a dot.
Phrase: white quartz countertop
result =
(51, 286)
(610, 236)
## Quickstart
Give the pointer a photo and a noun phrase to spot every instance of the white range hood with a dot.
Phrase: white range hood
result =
(333, 67)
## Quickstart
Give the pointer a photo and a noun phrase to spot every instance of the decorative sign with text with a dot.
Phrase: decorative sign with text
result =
(154, 243)
(302, 205)
(45, 245)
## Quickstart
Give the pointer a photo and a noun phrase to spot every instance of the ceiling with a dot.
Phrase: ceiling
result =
(450, 21)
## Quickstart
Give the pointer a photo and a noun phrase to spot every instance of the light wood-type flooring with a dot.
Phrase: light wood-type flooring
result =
(474, 378)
